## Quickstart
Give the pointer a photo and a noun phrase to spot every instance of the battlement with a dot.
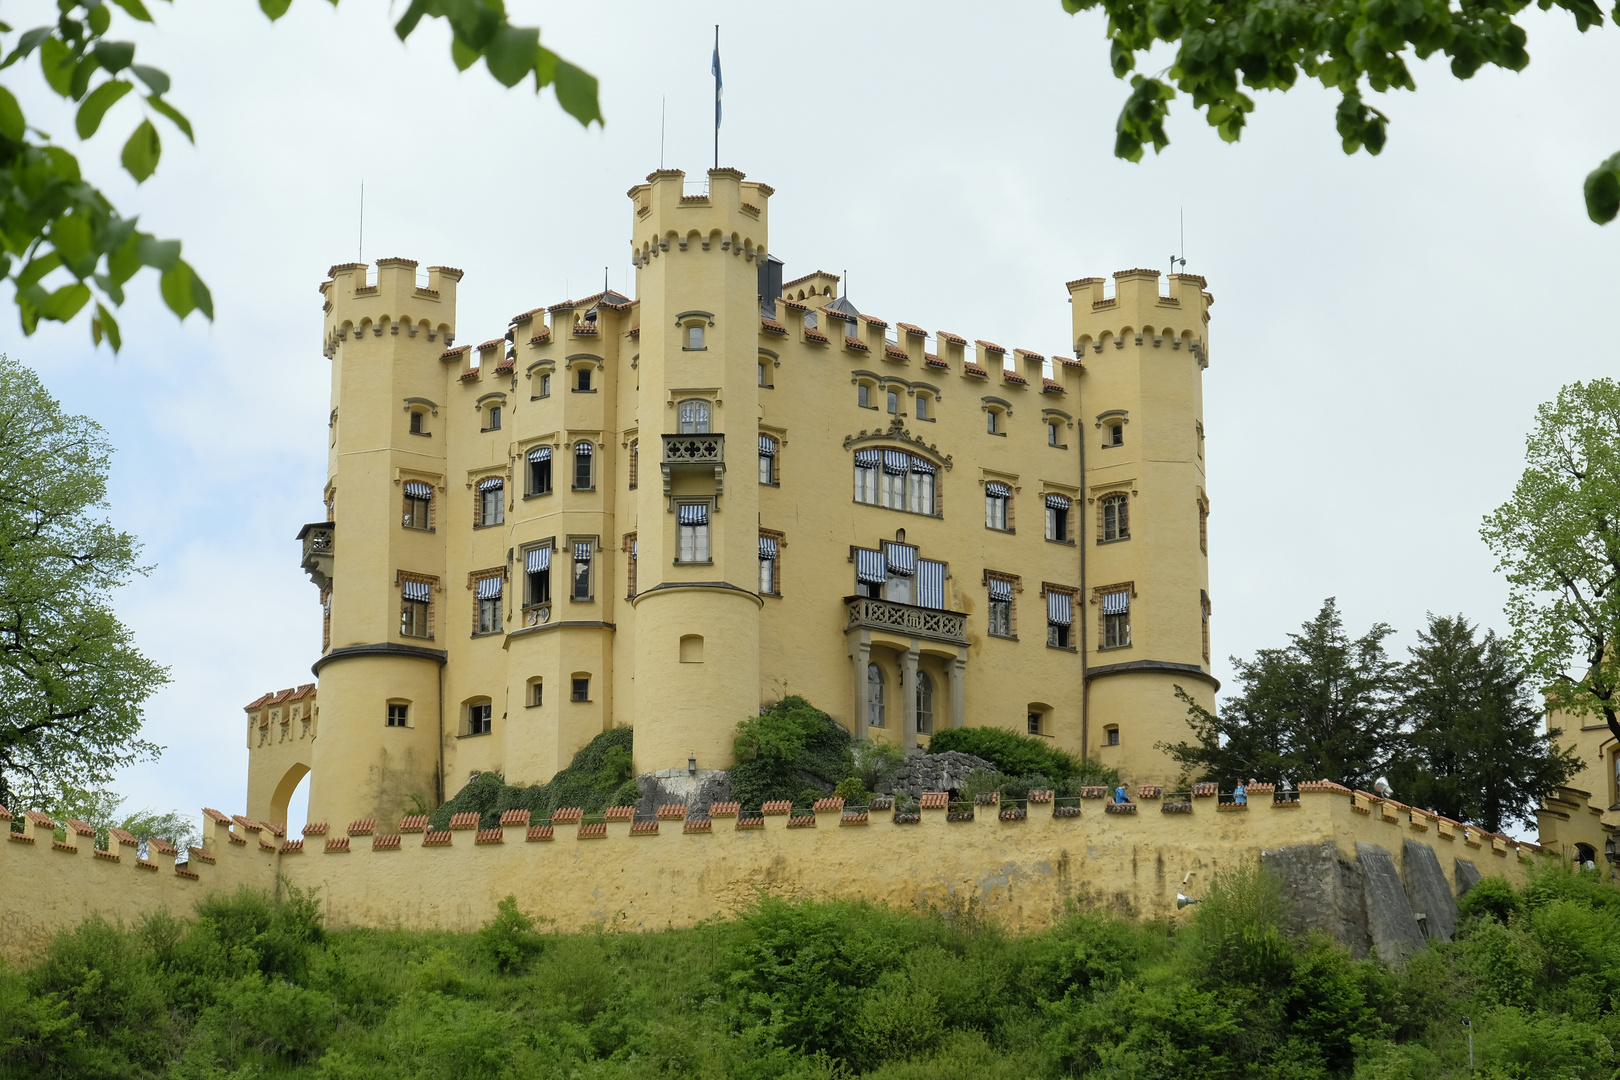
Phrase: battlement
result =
(354, 308)
(728, 215)
(1138, 314)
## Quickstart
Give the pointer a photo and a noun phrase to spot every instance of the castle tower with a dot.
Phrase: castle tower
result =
(1144, 537)
(379, 746)
(697, 261)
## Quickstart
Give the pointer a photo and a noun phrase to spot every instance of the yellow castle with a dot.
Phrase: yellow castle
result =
(669, 510)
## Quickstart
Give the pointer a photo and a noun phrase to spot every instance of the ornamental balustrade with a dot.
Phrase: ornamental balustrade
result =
(873, 614)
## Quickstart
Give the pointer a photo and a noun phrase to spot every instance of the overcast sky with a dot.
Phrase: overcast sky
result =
(1383, 327)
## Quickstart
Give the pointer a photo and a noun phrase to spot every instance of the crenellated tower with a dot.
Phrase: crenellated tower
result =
(1143, 531)
(384, 339)
(697, 259)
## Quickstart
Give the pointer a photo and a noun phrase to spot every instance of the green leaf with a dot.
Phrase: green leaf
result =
(174, 115)
(161, 255)
(70, 235)
(123, 262)
(185, 292)
(464, 56)
(577, 93)
(142, 151)
(65, 302)
(27, 44)
(545, 68)
(37, 268)
(408, 21)
(57, 61)
(155, 80)
(511, 54)
(135, 9)
(12, 124)
(104, 323)
(275, 9)
(96, 104)
(83, 71)
(114, 55)
(100, 19)
(1603, 191)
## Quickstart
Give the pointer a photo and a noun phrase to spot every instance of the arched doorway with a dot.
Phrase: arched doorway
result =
(281, 799)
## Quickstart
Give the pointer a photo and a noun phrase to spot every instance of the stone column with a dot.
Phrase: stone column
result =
(958, 673)
(860, 654)
(908, 698)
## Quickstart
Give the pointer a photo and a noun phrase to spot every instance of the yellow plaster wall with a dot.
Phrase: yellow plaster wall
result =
(1583, 812)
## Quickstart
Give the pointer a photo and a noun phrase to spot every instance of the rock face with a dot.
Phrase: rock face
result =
(1390, 920)
(1323, 890)
(1428, 891)
(1467, 876)
(698, 791)
(933, 772)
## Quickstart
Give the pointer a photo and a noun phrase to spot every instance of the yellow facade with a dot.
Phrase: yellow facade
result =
(1580, 820)
(784, 422)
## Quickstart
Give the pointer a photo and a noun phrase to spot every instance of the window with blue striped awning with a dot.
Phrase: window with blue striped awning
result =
(896, 461)
(923, 465)
(583, 449)
(767, 445)
(931, 584)
(1000, 590)
(1058, 502)
(1116, 603)
(489, 588)
(539, 559)
(415, 489)
(870, 567)
(582, 552)
(416, 591)
(866, 459)
(540, 453)
(694, 513)
(490, 483)
(1058, 609)
(997, 491)
(767, 547)
(902, 558)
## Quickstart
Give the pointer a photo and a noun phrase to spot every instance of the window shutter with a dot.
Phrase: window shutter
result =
(539, 559)
(1059, 610)
(931, 584)
(489, 588)
(870, 567)
(415, 489)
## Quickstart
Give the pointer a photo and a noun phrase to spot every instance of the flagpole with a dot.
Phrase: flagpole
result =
(717, 95)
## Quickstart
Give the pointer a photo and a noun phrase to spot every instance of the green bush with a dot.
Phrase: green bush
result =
(791, 751)
(1016, 755)
(599, 776)
(510, 939)
(1491, 896)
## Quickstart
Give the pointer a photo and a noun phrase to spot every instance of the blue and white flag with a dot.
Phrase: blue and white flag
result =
(716, 69)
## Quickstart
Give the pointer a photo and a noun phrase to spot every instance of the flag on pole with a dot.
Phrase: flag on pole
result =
(716, 70)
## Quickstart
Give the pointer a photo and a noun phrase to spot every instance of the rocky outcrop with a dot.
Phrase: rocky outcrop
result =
(947, 771)
(1428, 890)
(697, 791)
(1390, 920)
(1322, 891)
(1468, 876)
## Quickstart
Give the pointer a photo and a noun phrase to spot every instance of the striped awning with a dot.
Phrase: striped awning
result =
(540, 453)
(931, 584)
(870, 567)
(1000, 589)
(416, 591)
(415, 489)
(490, 483)
(633, 546)
(767, 446)
(1059, 609)
(1116, 603)
(694, 513)
(582, 551)
(997, 491)
(489, 588)
(902, 558)
(896, 461)
(583, 449)
(539, 560)
(1058, 502)
(866, 459)
(923, 465)
(767, 547)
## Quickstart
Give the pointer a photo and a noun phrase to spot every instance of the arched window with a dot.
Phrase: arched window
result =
(1116, 518)
(925, 703)
(694, 417)
(874, 695)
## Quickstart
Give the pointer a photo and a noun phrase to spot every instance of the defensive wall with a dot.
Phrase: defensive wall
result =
(1374, 873)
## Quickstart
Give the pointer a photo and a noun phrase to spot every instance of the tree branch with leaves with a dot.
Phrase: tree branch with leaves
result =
(63, 245)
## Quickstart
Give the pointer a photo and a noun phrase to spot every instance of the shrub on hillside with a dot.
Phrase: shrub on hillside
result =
(790, 751)
(600, 775)
(1016, 755)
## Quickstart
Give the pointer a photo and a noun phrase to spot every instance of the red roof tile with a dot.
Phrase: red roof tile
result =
(895, 352)
(525, 316)
(492, 343)
(541, 335)
(946, 335)
(989, 345)
(856, 344)
(975, 369)
(1027, 355)
(1013, 377)
(910, 329)
(931, 360)
(814, 335)
(807, 277)
(1067, 361)
(585, 329)
(1051, 386)
(472, 373)
(451, 354)
(771, 326)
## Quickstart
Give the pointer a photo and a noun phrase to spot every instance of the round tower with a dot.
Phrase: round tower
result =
(1144, 527)
(379, 748)
(697, 256)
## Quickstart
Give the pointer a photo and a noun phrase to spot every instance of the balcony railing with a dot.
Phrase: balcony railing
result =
(317, 558)
(706, 452)
(948, 626)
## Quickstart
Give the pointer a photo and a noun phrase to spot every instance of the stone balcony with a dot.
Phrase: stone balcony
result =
(705, 452)
(919, 622)
(317, 559)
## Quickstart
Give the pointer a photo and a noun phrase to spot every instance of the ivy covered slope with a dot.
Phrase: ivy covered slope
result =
(598, 777)
(243, 987)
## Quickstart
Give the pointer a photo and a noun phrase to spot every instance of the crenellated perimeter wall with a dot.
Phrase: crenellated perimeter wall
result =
(1023, 866)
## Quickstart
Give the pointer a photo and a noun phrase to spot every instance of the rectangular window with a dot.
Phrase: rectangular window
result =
(630, 565)
(1204, 609)
(545, 386)
(635, 462)
(894, 401)
(694, 337)
(582, 571)
(416, 422)
(537, 568)
(582, 689)
(866, 470)
(418, 505)
(1059, 617)
(1034, 721)
(488, 616)
(540, 470)
(767, 459)
(398, 715)
(1057, 518)
(996, 498)
(1116, 619)
(582, 467)
(494, 418)
(537, 696)
(1051, 434)
(762, 381)
(768, 585)
(480, 718)
(871, 573)
(931, 584)
(863, 395)
(1001, 607)
(582, 381)
(693, 525)
(921, 407)
(1203, 528)
(1116, 435)
(414, 609)
(1111, 735)
(491, 501)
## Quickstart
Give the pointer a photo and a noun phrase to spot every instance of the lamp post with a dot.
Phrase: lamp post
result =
(1469, 1024)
